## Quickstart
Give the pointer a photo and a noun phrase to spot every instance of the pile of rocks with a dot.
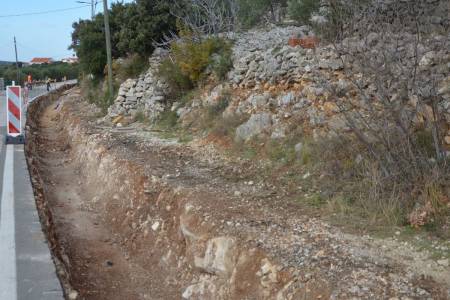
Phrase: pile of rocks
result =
(317, 71)
(264, 57)
(146, 94)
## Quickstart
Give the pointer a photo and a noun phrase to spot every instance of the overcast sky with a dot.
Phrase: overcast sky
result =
(40, 35)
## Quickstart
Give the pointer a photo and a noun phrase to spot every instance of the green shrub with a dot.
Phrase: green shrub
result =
(168, 119)
(222, 63)
(179, 83)
(220, 106)
(131, 67)
(281, 152)
(250, 12)
(424, 140)
(302, 10)
(190, 60)
(193, 57)
(95, 93)
(140, 116)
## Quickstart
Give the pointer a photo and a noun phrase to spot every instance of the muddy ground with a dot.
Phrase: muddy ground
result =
(132, 216)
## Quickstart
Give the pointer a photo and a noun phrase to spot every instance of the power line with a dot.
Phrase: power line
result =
(43, 12)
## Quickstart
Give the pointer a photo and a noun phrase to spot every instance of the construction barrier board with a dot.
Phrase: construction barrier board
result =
(14, 114)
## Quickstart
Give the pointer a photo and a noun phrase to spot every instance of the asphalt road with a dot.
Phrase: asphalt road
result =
(27, 270)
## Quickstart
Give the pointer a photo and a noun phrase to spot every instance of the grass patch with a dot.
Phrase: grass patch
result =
(168, 120)
(185, 137)
(316, 200)
(140, 117)
(95, 93)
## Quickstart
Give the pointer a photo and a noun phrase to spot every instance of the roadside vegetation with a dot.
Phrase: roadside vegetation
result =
(56, 70)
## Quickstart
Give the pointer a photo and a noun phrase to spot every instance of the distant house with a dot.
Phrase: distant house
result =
(70, 60)
(41, 60)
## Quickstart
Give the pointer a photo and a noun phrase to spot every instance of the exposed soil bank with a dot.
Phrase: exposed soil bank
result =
(131, 216)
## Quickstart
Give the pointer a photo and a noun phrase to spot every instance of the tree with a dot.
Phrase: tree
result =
(88, 42)
(134, 28)
(141, 24)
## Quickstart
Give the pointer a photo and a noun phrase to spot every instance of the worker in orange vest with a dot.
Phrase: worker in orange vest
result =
(29, 80)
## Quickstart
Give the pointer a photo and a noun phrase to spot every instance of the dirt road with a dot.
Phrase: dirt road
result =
(132, 216)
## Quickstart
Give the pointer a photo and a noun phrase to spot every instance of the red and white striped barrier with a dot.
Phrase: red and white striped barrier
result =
(14, 115)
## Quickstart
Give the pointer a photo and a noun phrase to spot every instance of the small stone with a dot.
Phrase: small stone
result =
(428, 59)
(298, 148)
(155, 226)
(237, 193)
(73, 295)
(447, 139)
(443, 262)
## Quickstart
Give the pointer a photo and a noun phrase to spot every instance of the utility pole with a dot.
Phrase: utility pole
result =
(93, 9)
(108, 47)
(17, 62)
(93, 4)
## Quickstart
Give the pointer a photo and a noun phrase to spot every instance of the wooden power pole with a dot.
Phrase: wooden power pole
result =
(108, 47)
(17, 63)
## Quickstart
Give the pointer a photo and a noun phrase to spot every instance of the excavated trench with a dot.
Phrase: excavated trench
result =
(134, 219)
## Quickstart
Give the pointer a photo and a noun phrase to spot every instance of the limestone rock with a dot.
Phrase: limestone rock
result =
(219, 257)
(257, 124)
(428, 59)
(258, 101)
(287, 99)
(204, 289)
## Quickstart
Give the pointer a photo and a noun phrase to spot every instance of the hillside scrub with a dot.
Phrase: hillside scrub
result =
(216, 16)
(192, 60)
(404, 170)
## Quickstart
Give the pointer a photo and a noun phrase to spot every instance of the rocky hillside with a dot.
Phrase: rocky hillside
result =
(273, 84)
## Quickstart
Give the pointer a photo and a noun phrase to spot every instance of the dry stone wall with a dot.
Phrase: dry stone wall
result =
(146, 93)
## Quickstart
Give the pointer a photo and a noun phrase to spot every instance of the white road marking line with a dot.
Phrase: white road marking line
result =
(8, 272)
